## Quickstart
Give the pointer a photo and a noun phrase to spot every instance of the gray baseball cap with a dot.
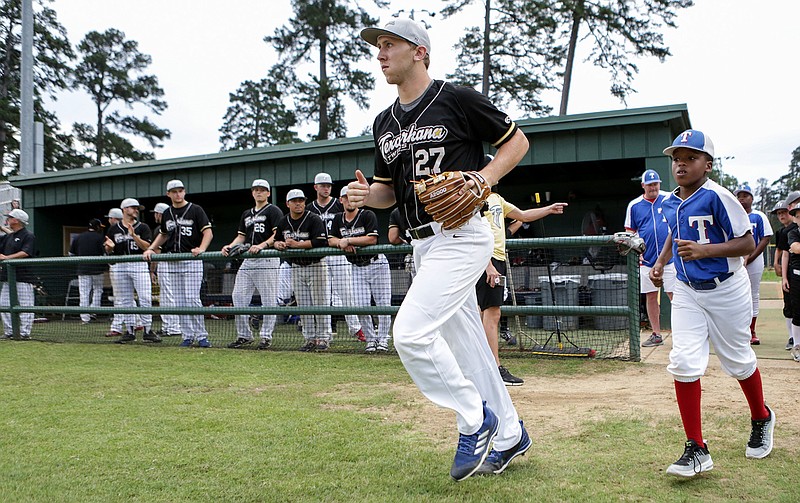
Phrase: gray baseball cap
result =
(115, 213)
(19, 215)
(780, 205)
(792, 197)
(407, 29)
(160, 208)
(295, 194)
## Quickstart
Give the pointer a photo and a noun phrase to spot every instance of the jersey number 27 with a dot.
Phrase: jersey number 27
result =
(424, 157)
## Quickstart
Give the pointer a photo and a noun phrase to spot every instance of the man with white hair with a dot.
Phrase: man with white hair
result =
(18, 244)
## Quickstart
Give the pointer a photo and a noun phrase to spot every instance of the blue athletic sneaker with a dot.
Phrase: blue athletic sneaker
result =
(204, 343)
(473, 449)
(186, 343)
(497, 461)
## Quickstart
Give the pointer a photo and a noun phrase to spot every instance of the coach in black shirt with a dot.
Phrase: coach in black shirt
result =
(20, 243)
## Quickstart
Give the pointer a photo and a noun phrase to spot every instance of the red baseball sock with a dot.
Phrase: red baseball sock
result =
(688, 395)
(755, 396)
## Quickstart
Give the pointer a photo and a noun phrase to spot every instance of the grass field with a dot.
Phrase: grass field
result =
(86, 422)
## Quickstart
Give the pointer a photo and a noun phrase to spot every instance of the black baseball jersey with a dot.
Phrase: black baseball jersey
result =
(327, 212)
(258, 225)
(184, 228)
(445, 131)
(365, 223)
(22, 240)
(309, 227)
(88, 244)
(794, 258)
(782, 237)
(124, 244)
(396, 220)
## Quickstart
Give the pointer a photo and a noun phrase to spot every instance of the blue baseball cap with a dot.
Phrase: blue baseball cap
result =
(650, 176)
(693, 139)
(742, 188)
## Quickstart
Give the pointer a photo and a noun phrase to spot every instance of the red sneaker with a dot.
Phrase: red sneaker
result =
(360, 336)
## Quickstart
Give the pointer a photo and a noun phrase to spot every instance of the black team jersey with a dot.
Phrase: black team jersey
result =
(309, 227)
(124, 244)
(445, 131)
(327, 212)
(365, 223)
(184, 228)
(258, 225)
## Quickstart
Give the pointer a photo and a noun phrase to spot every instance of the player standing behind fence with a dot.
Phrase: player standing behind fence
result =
(340, 275)
(114, 216)
(709, 235)
(257, 227)
(434, 127)
(302, 230)
(644, 217)
(185, 229)
(170, 323)
(19, 243)
(762, 233)
(371, 277)
(791, 274)
(491, 287)
(90, 276)
(130, 237)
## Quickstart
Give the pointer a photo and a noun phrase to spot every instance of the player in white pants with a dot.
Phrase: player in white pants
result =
(185, 229)
(431, 128)
(762, 233)
(371, 277)
(170, 323)
(339, 269)
(130, 237)
(302, 230)
(90, 276)
(256, 227)
(19, 243)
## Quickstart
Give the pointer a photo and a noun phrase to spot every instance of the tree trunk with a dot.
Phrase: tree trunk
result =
(98, 139)
(577, 15)
(323, 88)
(487, 63)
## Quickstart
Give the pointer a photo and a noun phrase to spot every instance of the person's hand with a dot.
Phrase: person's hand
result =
(785, 284)
(225, 249)
(148, 254)
(778, 271)
(556, 208)
(344, 244)
(255, 249)
(197, 251)
(657, 275)
(279, 245)
(492, 276)
(690, 250)
(358, 191)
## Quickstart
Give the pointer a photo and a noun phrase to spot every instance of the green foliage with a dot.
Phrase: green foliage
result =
(51, 74)
(791, 180)
(111, 71)
(257, 115)
(321, 32)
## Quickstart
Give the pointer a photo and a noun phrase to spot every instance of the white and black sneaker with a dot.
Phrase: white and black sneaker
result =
(372, 346)
(760, 444)
(695, 459)
(789, 344)
(509, 379)
(240, 342)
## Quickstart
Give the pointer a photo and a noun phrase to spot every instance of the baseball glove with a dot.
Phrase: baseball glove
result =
(238, 249)
(627, 242)
(442, 196)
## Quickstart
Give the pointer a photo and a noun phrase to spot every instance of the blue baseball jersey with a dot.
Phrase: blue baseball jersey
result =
(645, 218)
(760, 224)
(711, 215)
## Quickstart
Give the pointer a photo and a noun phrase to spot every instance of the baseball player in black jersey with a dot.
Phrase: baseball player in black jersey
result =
(170, 323)
(129, 236)
(431, 128)
(19, 243)
(354, 228)
(302, 230)
(339, 270)
(185, 228)
(257, 227)
(90, 276)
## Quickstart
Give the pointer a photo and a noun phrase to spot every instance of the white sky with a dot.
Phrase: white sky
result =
(734, 64)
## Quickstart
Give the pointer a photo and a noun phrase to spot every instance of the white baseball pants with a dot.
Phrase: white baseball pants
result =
(311, 288)
(373, 281)
(721, 317)
(340, 276)
(90, 291)
(256, 274)
(439, 335)
(127, 277)
(25, 297)
(755, 270)
(181, 281)
(170, 323)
